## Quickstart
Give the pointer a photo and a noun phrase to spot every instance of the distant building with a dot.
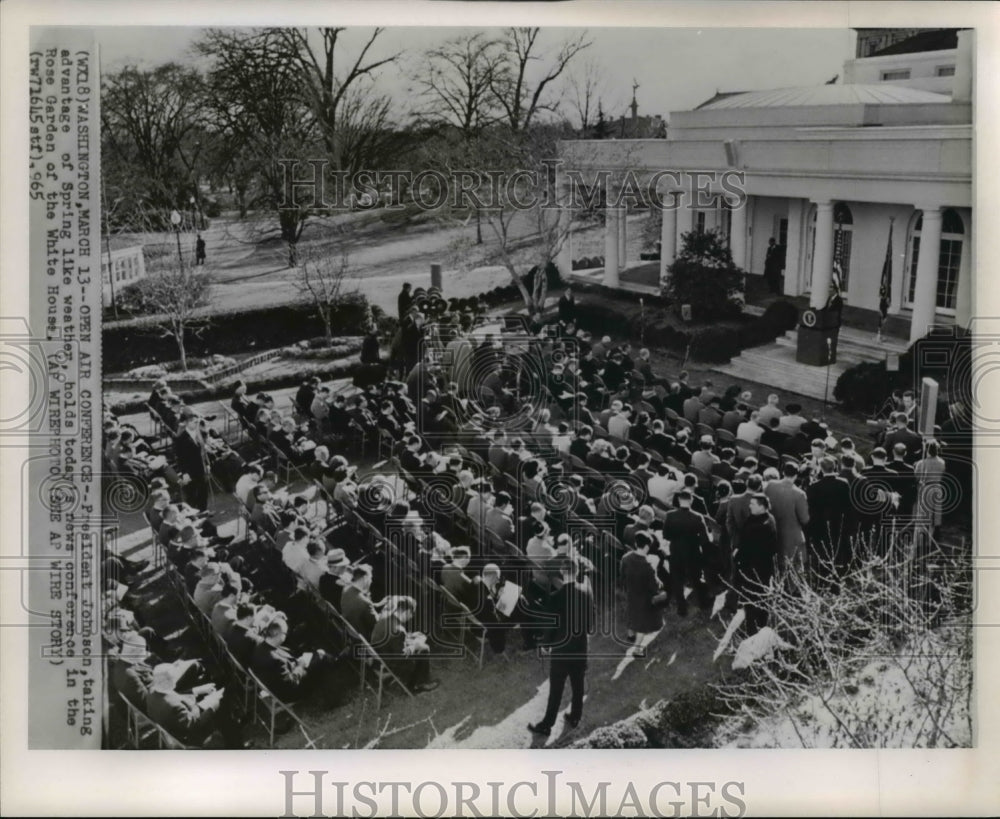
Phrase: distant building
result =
(128, 265)
(829, 168)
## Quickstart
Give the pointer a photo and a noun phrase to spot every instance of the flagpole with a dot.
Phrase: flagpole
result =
(885, 284)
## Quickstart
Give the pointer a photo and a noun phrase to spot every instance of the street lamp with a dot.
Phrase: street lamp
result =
(175, 220)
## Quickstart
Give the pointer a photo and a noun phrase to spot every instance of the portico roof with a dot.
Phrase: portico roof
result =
(815, 95)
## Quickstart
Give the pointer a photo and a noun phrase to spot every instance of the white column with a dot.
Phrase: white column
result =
(622, 237)
(925, 297)
(668, 237)
(564, 258)
(822, 272)
(738, 234)
(611, 246)
(793, 249)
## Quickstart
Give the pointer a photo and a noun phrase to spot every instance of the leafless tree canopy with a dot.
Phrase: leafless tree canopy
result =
(525, 86)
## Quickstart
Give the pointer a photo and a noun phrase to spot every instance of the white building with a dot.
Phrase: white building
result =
(127, 266)
(892, 144)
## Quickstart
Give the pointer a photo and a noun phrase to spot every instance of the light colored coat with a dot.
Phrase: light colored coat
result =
(790, 508)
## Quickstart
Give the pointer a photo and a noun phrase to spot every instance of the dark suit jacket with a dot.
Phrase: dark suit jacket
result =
(191, 456)
(829, 508)
(573, 607)
(914, 443)
(758, 548)
(640, 586)
(278, 670)
(131, 679)
(500, 524)
(685, 529)
(180, 714)
(241, 643)
(358, 610)
(456, 581)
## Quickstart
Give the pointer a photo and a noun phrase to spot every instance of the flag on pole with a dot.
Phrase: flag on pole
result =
(837, 279)
(885, 287)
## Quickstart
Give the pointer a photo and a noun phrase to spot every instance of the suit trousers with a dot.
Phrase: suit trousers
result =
(575, 668)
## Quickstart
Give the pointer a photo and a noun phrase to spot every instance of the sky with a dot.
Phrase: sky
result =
(676, 68)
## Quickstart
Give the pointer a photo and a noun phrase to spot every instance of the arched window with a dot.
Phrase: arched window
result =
(949, 260)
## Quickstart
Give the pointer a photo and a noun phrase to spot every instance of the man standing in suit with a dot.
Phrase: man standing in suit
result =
(685, 530)
(738, 509)
(573, 606)
(642, 614)
(906, 479)
(902, 434)
(790, 508)
(192, 460)
(829, 510)
(755, 559)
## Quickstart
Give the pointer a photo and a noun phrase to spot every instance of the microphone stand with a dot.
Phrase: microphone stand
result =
(826, 389)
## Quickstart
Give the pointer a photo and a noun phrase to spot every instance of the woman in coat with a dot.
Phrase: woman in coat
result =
(642, 615)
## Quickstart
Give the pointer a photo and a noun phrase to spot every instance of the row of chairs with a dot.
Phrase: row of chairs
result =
(258, 702)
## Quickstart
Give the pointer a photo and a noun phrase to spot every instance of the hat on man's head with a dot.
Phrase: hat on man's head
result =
(187, 414)
(337, 559)
(133, 648)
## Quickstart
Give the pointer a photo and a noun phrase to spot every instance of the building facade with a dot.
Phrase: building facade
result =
(828, 171)
(119, 269)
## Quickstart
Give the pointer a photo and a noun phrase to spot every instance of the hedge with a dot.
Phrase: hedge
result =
(135, 342)
(712, 343)
(945, 356)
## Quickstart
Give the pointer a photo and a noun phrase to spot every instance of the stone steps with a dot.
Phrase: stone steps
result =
(774, 364)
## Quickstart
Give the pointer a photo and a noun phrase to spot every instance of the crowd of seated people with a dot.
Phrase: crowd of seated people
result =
(514, 451)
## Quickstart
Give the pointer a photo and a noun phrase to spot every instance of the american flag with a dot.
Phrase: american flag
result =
(885, 287)
(837, 283)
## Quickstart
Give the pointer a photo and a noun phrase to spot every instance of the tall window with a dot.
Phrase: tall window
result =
(699, 221)
(726, 222)
(949, 260)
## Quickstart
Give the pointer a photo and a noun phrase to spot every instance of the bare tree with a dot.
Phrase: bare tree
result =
(874, 655)
(321, 280)
(519, 89)
(454, 86)
(254, 105)
(523, 238)
(453, 81)
(349, 114)
(175, 294)
(151, 134)
(586, 85)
